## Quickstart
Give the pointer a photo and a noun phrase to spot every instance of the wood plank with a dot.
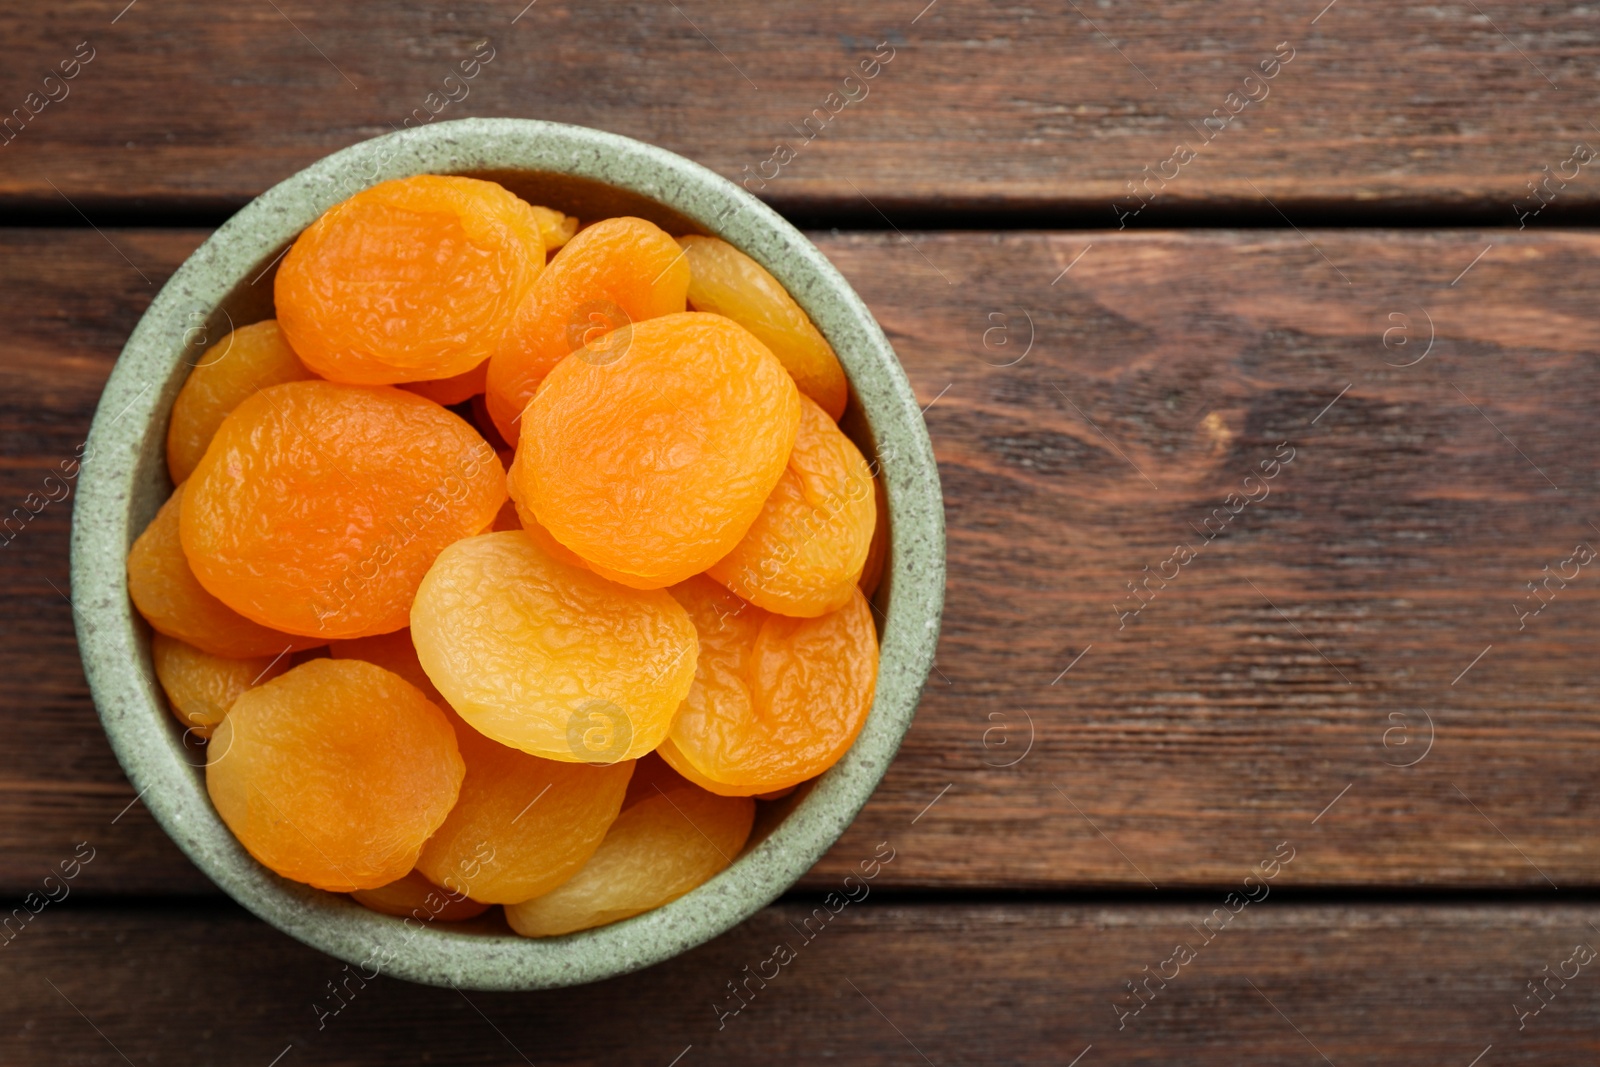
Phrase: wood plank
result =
(984, 106)
(1263, 695)
(1041, 984)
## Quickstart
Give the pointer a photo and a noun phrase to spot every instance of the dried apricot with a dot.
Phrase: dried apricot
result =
(173, 602)
(652, 466)
(523, 825)
(335, 773)
(527, 522)
(319, 506)
(550, 658)
(495, 845)
(448, 391)
(615, 272)
(674, 837)
(202, 687)
(393, 652)
(806, 549)
(412, 279)
(878, 551)
(556, 229)
(771, 711)
(246, 361)
(414, 897)
(724, 280)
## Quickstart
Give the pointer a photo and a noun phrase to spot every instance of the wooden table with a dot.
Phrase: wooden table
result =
(1259, 356)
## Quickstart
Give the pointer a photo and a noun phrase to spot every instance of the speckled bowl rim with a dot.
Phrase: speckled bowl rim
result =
(123, 472)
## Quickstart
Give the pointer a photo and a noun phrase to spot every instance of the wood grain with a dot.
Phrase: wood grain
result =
(1038, 984)
(985, 106)
(1269, 692)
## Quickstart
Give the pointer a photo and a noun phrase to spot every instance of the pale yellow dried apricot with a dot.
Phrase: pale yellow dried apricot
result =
(556, 229)
(522, 825)
(334, 774)
(672, 837)
(724, 280)
(550, 658)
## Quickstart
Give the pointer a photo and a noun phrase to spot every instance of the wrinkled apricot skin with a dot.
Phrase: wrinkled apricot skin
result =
(806, 549)
(172, 600)
(556, 229)
(319, 506)
(334, 774)
(246, 361)
(522, 825)
(549, 658)
(393, 652)
(201, 687)
(527, 522)
(618, 271)
(412, 279)
(448, 391)
(770, 711)
(724, 280)
(671, 839)
(653, 466)
(878, 551)
(414, 897)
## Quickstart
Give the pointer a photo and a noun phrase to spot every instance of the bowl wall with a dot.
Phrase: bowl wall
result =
(227, 282)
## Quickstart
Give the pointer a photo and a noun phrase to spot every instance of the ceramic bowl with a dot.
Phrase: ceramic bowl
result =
(227, 282)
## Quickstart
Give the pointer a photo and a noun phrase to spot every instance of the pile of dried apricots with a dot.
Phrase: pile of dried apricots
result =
(440, 673)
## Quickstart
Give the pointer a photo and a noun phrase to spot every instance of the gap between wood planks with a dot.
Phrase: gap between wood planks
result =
(844, 214)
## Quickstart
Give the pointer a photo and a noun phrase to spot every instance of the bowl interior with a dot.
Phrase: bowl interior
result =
(228, 283)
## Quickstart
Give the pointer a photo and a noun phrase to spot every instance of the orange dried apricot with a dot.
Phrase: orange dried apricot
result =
(530, 524)
(522, 825)
(393, 652)
(878, 550)
(672, 837)
(806, 549)
(412, 279)
(414, 897)
(550, 658)
(652, 466)
(724, 280)
(244, 362)
(615, 272)
(335, 773)
(173, 602)
(201, 687)
(319, 506)
(770, 711)
(448, 391)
